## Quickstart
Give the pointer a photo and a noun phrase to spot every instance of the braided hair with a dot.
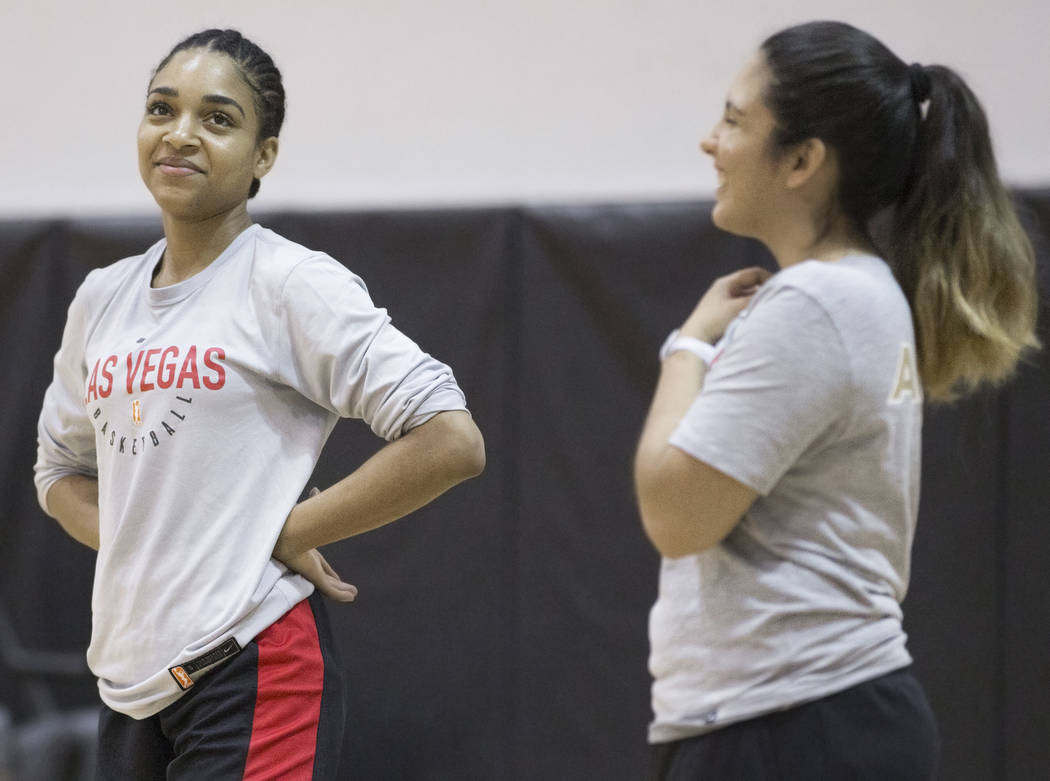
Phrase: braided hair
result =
(256, 67)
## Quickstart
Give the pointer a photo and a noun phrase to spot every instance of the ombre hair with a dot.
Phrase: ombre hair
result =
(913, 146)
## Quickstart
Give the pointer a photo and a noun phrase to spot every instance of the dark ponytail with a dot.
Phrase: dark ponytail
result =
(960, 253)
(256, 67)
(913, 141)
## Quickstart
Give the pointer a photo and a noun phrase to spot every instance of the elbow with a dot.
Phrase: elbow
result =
(472, 458)
(464, 446)
(673, 527)
(655, 521)
(687, 507)
(667, 536)
(672, 541)
(671, 546)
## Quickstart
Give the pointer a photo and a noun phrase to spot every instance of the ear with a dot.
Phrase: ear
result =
(265, 156)
(804, 161)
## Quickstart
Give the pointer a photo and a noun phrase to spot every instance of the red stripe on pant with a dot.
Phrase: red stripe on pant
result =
(288, 699)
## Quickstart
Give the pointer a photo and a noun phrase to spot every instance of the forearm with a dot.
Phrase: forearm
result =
(73, 502)
(681, 378)
(402, 477)
(686, 505)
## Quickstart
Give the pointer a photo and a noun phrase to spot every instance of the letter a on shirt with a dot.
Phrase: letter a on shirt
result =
(906, 385)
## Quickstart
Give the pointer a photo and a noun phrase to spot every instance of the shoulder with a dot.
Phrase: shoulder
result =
(857, 280)
(852, 313)
(275, 246)
(826, 309)
(101, 283)
(854, 291)
(295, 281)
(279, 260)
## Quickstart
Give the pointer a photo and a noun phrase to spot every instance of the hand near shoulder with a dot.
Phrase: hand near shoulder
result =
(723, 301)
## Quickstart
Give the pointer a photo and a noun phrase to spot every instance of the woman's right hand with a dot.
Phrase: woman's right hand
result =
(723, 301)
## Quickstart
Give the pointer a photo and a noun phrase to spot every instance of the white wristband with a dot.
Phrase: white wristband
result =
(675, 342)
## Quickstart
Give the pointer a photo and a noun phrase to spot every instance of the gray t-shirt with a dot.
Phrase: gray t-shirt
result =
(813, 401)
(202, 408)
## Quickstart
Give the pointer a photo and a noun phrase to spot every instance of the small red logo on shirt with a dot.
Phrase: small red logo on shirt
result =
(136, 411)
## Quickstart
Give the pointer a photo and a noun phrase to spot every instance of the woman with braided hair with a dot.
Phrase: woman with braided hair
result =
(194, 389)
(778, 469)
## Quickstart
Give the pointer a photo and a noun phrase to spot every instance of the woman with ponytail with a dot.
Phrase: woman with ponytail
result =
(778, 469)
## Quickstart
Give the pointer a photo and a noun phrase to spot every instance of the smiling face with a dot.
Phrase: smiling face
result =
(198, 140)
(749, 175)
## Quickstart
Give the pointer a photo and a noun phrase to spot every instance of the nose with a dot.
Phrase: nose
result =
(709, 142)
(182, 132)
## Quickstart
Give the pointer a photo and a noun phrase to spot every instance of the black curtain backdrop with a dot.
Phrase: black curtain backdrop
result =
(500, 632)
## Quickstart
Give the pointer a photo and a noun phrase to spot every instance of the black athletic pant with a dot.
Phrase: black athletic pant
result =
(881, 730)
(273, 711)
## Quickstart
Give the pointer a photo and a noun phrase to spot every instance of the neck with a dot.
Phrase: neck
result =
(191, 245)
(805, 242)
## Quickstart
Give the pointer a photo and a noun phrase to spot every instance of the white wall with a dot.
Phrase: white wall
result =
(409, 102)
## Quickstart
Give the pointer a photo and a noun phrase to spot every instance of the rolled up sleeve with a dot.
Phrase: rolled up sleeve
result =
(343, 352)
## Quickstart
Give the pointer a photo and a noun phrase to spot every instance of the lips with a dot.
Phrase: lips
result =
(178, 166)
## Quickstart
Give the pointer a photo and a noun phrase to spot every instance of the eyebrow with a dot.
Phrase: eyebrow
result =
(222, 100)
(731, 106)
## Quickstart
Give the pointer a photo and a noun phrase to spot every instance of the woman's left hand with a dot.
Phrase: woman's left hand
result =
(313, 566)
